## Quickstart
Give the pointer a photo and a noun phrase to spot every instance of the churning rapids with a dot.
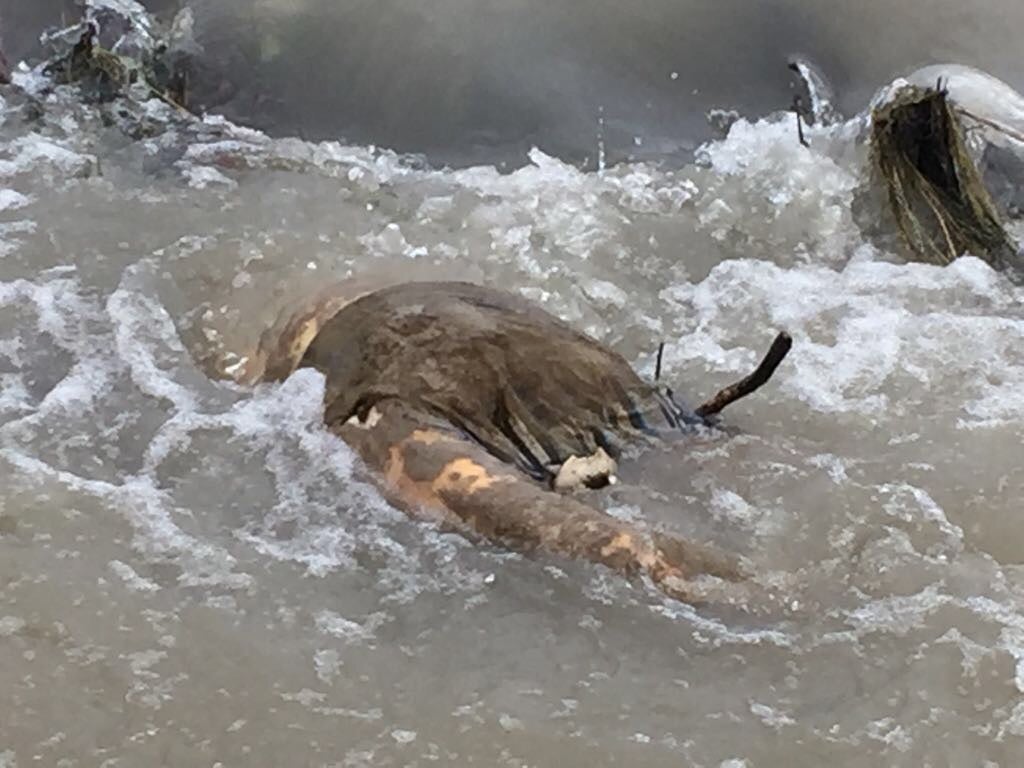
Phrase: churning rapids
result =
(195, 573)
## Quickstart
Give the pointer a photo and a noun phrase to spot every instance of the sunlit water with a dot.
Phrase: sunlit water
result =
(194, 573)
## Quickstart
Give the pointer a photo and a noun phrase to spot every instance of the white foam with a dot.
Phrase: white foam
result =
(350, 631)
(131, 578)
(767, 186)
(898, 614)
(11, 625)
(561, 200)
(145, 507)
(11, 199)
(36, 153)
(203, 176)
(391, 241)
(916, 504)
(147, 340)
(770, 716)
(128, 8)
(858, 329)
(31, 81)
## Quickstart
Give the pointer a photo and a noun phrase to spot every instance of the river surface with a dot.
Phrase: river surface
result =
(195, 573)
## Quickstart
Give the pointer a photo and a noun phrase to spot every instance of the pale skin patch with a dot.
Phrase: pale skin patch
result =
(461, 475)
(304, 336)
(622, 542)
(626, 542)
(467, 476)
(414, 495)
(286, 341)
(300, 335)
(394, 470)
(552, 532)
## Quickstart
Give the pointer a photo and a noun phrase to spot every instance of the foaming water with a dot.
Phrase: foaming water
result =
(194, 572)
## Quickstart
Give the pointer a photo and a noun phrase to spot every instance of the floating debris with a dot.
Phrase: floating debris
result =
(936, 191)
(119, 57)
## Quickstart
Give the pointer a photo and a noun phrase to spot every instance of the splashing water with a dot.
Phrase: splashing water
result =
(192, 572)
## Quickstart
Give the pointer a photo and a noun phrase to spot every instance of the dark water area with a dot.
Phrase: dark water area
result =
(482, 80)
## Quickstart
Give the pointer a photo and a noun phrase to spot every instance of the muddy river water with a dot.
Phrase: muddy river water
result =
(193, 573)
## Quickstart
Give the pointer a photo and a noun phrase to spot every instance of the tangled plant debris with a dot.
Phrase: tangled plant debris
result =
(935, 189)
(120, 58)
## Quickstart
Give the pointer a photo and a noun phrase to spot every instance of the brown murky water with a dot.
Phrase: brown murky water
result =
(192, 573)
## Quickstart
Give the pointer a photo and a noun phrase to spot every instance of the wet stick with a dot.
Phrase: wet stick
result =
(798, 107)
(776, 354)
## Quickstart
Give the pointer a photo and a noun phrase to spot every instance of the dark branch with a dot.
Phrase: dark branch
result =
(5, 69)
(798, 109)
(657, 367)
(776, 354)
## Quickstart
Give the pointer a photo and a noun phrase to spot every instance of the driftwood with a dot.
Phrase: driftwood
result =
(473, 407)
